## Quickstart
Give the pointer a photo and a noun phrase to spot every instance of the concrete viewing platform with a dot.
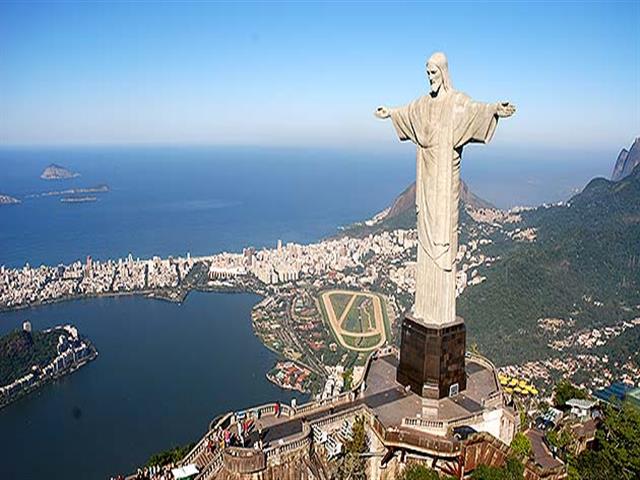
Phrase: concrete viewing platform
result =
(395, 406)
(392, 404)
(396, 418)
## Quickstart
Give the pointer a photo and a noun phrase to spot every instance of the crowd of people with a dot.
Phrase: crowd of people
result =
(237, 434)
(154, 472)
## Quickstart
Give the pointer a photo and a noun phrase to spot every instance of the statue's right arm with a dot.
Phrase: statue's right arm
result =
(382, 112)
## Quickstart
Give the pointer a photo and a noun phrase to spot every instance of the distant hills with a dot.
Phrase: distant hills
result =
(402, 211)
(627, 161)
(57, 172)
(407, 201)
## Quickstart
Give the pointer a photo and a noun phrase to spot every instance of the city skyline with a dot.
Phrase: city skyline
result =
(310, 75)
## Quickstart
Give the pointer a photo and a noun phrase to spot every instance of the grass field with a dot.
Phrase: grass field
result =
(361, 342)
(361, 317)
(339, 301)
(358, 320)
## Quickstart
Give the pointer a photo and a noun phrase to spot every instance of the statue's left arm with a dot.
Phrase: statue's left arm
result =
(476, 121)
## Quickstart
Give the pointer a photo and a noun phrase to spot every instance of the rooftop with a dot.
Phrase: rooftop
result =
(579, 403)
(391, 402)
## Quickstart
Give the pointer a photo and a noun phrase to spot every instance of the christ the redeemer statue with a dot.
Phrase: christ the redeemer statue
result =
(440, 124)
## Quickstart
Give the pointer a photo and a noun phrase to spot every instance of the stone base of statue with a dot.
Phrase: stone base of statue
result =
(432, 358)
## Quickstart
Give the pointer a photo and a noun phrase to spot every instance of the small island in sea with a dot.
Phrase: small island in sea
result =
(29, 360)
(8, 200)
(80, 199)
(102, 188)
(57, 172)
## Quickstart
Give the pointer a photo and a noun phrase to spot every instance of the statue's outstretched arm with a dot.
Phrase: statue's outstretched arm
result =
(505, 109)
(382, 112)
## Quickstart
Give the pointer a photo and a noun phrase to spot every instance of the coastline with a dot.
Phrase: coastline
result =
(36, 386)
(162, 296)
(45, 378)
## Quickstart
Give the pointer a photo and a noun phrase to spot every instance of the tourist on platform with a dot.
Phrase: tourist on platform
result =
(240, 432)
(260, 435)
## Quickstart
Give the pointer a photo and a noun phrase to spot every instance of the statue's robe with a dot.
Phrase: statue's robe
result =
(440, 127)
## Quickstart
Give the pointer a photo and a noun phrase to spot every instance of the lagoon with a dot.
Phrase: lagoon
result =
(164, 370)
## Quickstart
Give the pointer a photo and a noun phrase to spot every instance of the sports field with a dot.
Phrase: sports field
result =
(356, 318)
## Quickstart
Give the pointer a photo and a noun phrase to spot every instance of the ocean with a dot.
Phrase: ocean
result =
(169, 201)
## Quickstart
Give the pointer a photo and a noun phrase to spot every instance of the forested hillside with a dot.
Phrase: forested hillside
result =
(583, 268)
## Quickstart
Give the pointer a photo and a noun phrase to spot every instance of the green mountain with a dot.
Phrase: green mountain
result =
(20, 350)
(583, 268)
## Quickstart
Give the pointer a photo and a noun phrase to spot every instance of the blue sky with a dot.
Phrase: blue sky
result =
(305, 74)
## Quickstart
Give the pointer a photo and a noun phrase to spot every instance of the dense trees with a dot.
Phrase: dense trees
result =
(617, 454)
(584, 252)
(566, 391)
(512, 470)
(521, 446)
(353, 466)
(20, 350)
(172, 455)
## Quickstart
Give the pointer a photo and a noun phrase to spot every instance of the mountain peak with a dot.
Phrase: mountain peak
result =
(627, 160)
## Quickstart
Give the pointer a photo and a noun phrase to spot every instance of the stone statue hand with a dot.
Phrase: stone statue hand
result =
(505, 109)
(382, 112)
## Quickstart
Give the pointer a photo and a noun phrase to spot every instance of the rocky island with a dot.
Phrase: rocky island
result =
(57, 172)
(80, 199)
(8, 200)
(29, 360)
(102, 188)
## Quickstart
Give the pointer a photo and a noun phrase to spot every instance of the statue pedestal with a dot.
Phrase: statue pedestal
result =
(432, 358)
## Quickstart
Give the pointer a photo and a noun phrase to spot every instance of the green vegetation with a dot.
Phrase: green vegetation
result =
(617, 454)
(421, 472)
(584, 252)
(353, 321)
(20, 350)
(512, 470)
(347, 376)
(354, 340)
(405, 220)
(566, 391)
(559, 438)
(361, 342)
(172, 455)
(361, 316)
(339, 301)
(352, 465)
(521, 445)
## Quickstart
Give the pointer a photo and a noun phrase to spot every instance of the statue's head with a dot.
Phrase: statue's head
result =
(438, 73)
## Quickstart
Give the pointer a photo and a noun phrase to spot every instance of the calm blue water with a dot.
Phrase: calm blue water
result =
(165, 370)
(170, 201)
(167, 201)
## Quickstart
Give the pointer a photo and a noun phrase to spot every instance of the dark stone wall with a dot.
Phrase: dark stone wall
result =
(432, 358)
